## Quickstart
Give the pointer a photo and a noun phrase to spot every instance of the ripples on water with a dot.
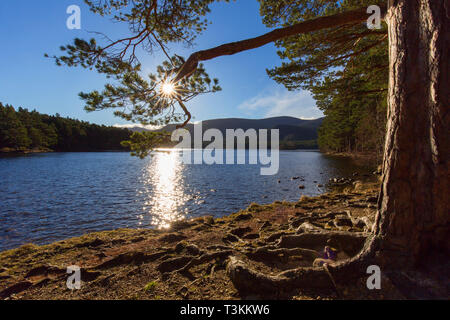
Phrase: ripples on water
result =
(49, 197)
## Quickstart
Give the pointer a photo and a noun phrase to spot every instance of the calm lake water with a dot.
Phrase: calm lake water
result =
(53, 196)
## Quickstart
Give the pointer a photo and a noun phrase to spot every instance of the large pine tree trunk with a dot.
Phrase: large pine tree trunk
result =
(413, 216)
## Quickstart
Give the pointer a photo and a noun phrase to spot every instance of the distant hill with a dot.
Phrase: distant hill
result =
(294, 133)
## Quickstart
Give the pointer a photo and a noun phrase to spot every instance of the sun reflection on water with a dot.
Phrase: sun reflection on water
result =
(163, 176)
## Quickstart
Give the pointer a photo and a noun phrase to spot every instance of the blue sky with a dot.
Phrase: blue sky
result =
(29, 29)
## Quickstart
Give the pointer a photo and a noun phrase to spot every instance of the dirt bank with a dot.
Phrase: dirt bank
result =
(189, 261)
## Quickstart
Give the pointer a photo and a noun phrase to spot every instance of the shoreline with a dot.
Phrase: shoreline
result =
(189, 260)
(369, 159)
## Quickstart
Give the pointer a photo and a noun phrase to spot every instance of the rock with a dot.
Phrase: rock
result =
(209, 219)
(230, 238)
(240, 231)
(295, 178)
(172, 237)
(180, 225)
(243, 216)
(173, 264)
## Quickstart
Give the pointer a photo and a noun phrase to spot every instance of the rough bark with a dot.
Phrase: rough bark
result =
(413, 207)
(413, 216)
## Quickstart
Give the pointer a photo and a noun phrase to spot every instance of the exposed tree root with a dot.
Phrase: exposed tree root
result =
(349, 242)
(221, 255)
(130, 258)
(16, 288)
(309, 227)
(249, 281)
(263, 254)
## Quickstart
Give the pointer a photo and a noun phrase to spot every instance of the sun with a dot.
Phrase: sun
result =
(168, 89)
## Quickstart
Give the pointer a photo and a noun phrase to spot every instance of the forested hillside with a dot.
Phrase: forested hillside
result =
(294, 133)
(25, 130)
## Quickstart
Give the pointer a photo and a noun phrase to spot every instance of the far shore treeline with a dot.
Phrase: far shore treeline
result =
(24, 130)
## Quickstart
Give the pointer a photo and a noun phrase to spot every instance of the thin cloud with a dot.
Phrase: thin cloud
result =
(137, 125)
(281, 102)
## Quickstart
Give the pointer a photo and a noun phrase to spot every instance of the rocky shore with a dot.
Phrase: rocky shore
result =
(197, 258)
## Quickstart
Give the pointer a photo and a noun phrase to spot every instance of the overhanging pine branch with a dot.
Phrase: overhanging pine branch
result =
(349, 17)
